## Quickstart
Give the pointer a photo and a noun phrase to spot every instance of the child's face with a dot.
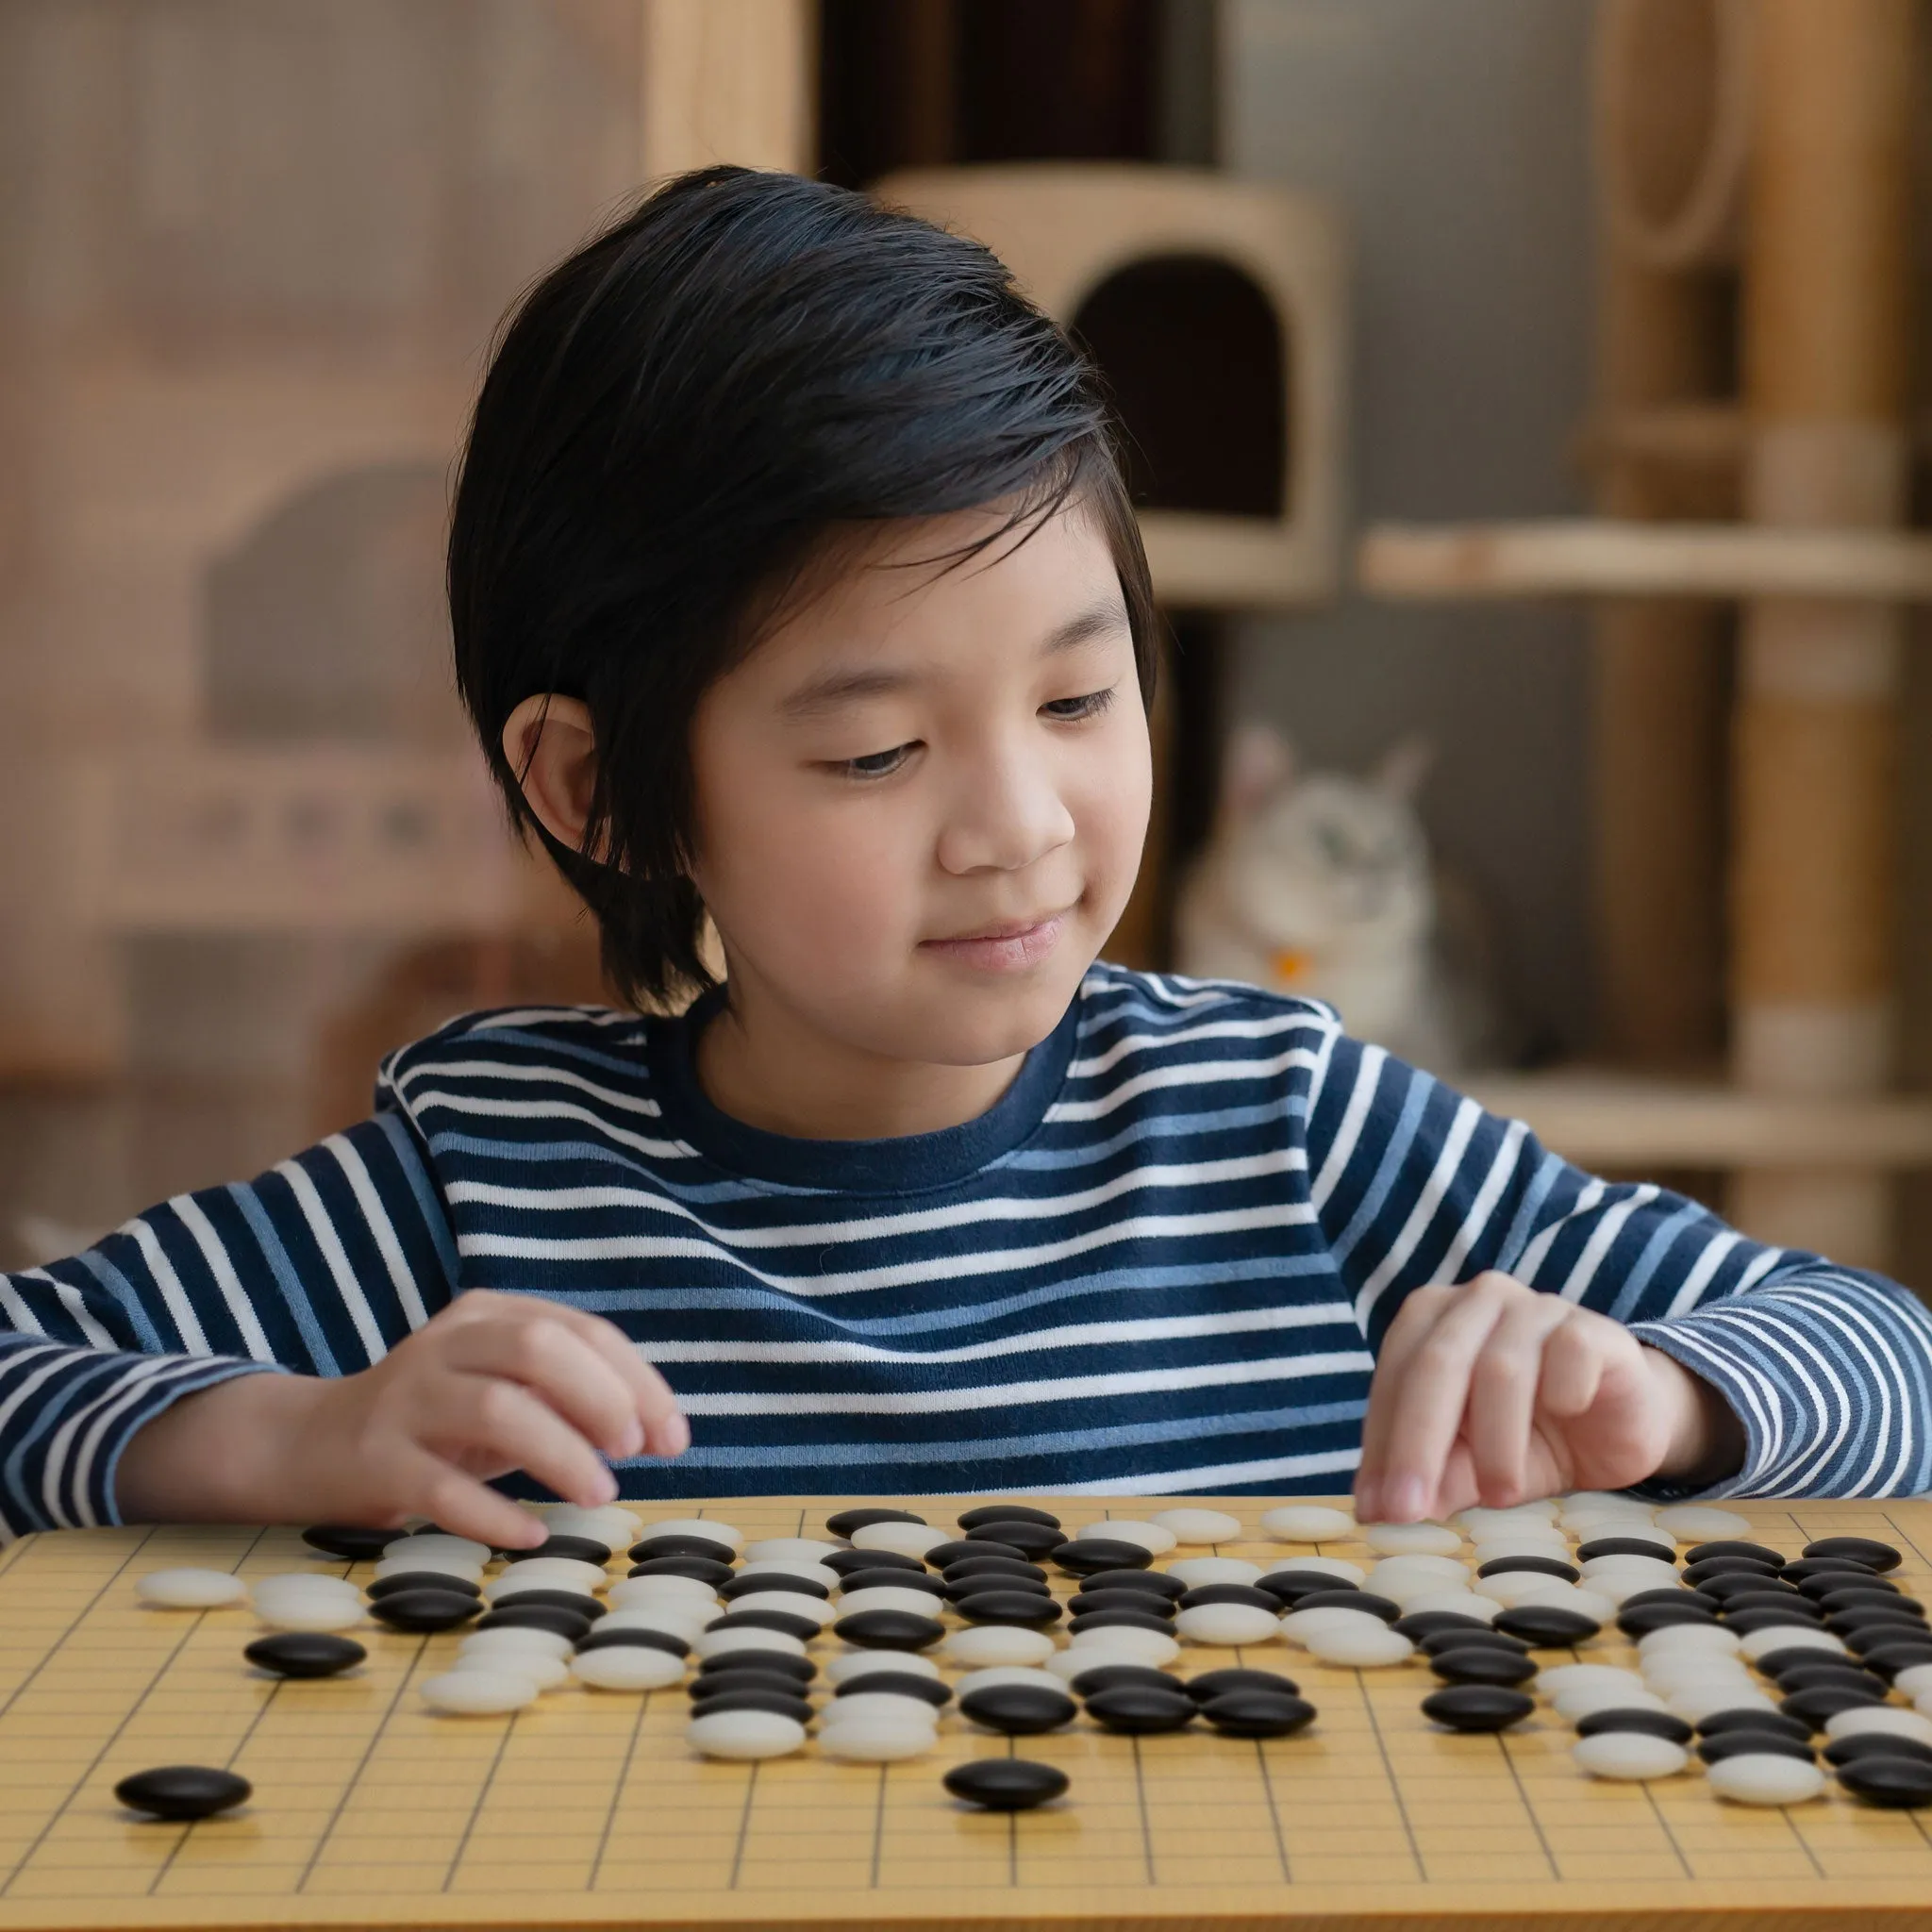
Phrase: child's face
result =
(921, 801)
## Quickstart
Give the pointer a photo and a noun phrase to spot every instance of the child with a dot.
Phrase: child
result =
(794, 583)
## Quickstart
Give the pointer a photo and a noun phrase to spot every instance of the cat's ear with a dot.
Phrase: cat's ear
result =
(1257, 763)
(1401, 769)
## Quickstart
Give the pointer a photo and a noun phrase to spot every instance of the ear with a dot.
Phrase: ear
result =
(1402, 769)
(552, 747)
(1257, 762)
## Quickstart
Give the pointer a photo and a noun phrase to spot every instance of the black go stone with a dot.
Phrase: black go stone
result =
(703, 1691)
(1890, 1658)
(1350, 1600)
(1016, 1533)
(1290, 1586)
(1547, 1626)
(890, 1630)
(1210, 1684)
(1653, 1723)
(851, 1562)
(981, 1581)
(1088, 1555)
(1823, 1569)
(992, 1566)
(1482, 1664)
(1812, 1707)
(1747, 1623)
(400, 1581)
(1477, 1636)
(1875, 1745)
(1419, 1626)
(701, 1569)
(1624, 1546)
(1721, 1722)
(1540, 1566)
(580, 1603)
(1138, 1711)
(512, 1615)
(1645, 1617)
(1007, 1512)
(1258, 1713)
(804, 1629)
(1870, 1618)
(1832, 1677)
(176, 1791)
(584, 1549)
(348, 1541)
(1478, 1706)
(1708, 1575)
(1756, 1552)
(1860, 1596)
(649, 1639)
(860, 1579)
(1151, 1582)
(648, 1546)
(1855, 1549)
(758, 1697)
(1088, 1601)
(943, 1556)
(1032, 1609)
(900, 1684)
(1004, 1784)
(1245, 1593)
(1120, 1620)
(425, 1610)
(1776, 1663)
(1740, 1743)
(1875, 1640)
(304, 1654)
(849, 1522)
(1897, 1784)
(801, 1668)
(1773, 1600)
(1113, 1677)
(1019, 1711)
(803, 1586)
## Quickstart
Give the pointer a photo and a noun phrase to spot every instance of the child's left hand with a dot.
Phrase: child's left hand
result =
(1491, 1393)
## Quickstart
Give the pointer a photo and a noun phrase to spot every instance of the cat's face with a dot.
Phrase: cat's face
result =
(1331, 857)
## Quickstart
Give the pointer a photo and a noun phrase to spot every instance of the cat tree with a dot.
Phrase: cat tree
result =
(1791, 155)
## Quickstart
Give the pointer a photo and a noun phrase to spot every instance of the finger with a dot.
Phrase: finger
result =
(556, 1363)
(428, 1486)
(1574, 1363)
(504, 1423)
(1413, 1321)
(1503, 1395)
(1434, 1392)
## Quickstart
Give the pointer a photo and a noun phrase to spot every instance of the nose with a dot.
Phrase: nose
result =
(1005, 814)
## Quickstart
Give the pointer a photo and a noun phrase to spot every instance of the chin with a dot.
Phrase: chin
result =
(973, 1027)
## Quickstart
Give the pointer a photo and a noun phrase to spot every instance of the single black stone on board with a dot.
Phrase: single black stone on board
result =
(1547, 1626)
(1828, 1573)
(1291, 1584)
(1004, 1784)
(1811, 1707)
(809, 1586)
(1653, 1723)
(1873, 1619)
(584, 1549)
(700, 1569)
(804, 1629)
(1086, 1602)
(1898, 1784)
(648, 1547)
(943, 1556)
(1747, 1623)
(982, 1581)
(1740, 1572)
(1890, 1658)
(1864, 1596)
(1482, 1664)
(1643, 1619)
(304, 1652)
(1732, 1546)
(649, 1639)
(1875, 1640)
(758, 1697)
(890, 1630)
(850, 1562)
(783, 1662)
(1007, 1512)
(513, 1615)
(1120, 1620)
(1019, 1711)
(1728, 1584)
(1258, 1713)
(1624, 1546)
(1240, 1593)
(1350, 1600)
(848, 1522)
(400, 1581)
(702, 1690)
(1139, 1710)
(1841, 1676)
(579, 1602)
(1750, 1719)
(1015, 1533)
(1032, 1609)
(1150, 1582)
(1540, 1566)
(1467, 1637)
(1875, 1745)
(424, 1609)
(1776, 1663)
(347, 1540)
(1210, 1684)
(1111, 1676)
(901, 1683)
(1088, 1555)
(1742, 1744)
(1478, 1706)
(1014, 1568)
(1749, 1600)
(1419, 1626)
(183, 1790)
(1855, 1549)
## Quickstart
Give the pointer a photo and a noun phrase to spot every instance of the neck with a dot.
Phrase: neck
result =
(759, 1063)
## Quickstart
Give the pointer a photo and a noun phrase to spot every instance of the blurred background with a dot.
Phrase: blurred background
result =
(1526, 403)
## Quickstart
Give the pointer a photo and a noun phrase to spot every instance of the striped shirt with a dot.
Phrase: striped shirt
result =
(1164, 1261)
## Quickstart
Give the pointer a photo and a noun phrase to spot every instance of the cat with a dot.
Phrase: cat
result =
(1324, 885)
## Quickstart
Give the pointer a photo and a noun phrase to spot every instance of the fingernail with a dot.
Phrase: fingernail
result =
(676, 1435)
(631, 1442)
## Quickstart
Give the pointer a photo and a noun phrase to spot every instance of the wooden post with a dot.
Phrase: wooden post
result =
(728, 80)
(1825, 371)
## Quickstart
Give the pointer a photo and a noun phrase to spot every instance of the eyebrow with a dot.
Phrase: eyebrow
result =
(1107, 617)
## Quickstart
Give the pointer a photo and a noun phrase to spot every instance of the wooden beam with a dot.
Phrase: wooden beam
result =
(728, 80)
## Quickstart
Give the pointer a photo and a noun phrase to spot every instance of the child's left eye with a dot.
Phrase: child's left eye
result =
(1091, 705)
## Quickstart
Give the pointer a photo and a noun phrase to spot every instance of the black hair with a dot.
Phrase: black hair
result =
(675, 419)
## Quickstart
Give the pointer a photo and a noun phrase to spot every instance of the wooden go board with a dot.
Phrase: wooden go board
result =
(589, 1810)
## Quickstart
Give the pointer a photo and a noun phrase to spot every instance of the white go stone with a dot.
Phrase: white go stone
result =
(1689, 1639)
(1473, 1521)
(1010, 1674)
(1565, 1676)
(672, 1622)
(1915, 1680)
(1694, 1702)
(1228, 1624)
(886, 1597)
(894, 1707)
(1700, 1522)
(1308, 1523)
(1512, 1586)
(190, 1590)
(635, 1591)
(1117, 1645)
(547, 1672)
(868, 1663)
(1762, 1778)
(876, 1740)
(1880, 1716)
(791, 1602)
(1199, 1526)
(306, 1603)
(432, 1565)
(1150, 1536)
(1531, 1544)
(1631, 1755)
(1662, 1574)
(1692, 1677)
(728, 1534)
(723, 1642)
(1359, 1650)
(1790, 1637)
(794, 1566)
(1298, 1626)
(479, 1692)
(547, 1573)
(610, 1524)
(1197, 1570)
(795, 1549)
(981, 1646)
(514, 1642)
(1466, 1603)
(461, 1549)
(1412, 1538)
(1404, 1572)
(902, 1538)
(1580, 1700)
(1327, 1566)
(746, 1734)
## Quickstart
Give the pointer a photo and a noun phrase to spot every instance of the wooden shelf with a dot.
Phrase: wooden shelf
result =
(1624, 1122)
(1601, 557)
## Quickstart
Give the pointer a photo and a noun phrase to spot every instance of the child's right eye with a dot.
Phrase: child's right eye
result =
(877, 764)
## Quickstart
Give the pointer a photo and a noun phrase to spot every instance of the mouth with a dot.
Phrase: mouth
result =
(1003, 945)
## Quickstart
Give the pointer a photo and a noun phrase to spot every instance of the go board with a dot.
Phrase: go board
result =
(588, 1808)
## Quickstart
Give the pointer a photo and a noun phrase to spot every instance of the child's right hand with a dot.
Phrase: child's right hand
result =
(493, 1383)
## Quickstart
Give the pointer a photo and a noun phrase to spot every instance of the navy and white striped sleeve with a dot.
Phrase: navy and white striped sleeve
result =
(1828, 1368)
(319, 1266)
